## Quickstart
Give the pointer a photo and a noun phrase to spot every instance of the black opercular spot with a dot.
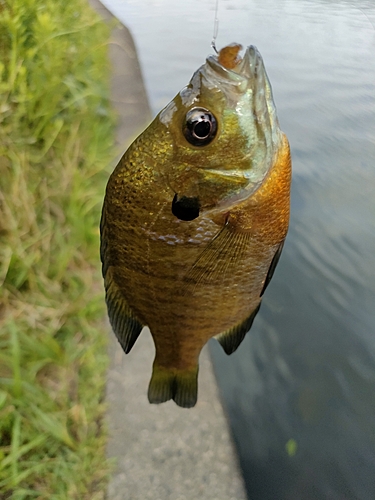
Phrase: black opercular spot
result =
(200, 126)
(185, 208)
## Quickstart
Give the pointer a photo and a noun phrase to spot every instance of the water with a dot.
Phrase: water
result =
(303, 380)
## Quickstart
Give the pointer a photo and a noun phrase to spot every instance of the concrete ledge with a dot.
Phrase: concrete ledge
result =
(128, 95)
(163, 452)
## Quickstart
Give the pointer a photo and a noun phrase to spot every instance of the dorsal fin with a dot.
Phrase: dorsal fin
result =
(123, 321)
(104, 243)
(233, 337)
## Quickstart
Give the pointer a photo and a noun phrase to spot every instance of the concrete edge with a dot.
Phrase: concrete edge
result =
(162, 451)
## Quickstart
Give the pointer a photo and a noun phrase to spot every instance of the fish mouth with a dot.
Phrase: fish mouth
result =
(246, 86)
(248, 69)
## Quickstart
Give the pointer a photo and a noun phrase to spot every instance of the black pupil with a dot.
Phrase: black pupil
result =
(202, 128)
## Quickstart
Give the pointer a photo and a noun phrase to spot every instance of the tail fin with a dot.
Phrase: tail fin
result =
(179, 385)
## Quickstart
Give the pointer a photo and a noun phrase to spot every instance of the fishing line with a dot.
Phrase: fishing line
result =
(216, 27)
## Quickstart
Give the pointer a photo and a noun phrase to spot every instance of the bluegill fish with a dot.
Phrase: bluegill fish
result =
(194, 219)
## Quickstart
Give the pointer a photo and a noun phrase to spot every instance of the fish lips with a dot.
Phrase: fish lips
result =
(186, 208)
(243, 76)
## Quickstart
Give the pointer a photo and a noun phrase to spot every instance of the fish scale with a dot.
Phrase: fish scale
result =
(232, 190)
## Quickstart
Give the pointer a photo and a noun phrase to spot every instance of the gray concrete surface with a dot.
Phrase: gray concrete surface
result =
(128, 94)
(163, 452)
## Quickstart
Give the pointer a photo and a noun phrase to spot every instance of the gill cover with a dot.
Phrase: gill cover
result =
(224, 131)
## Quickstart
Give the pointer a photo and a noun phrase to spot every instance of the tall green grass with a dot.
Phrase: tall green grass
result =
(56, 132)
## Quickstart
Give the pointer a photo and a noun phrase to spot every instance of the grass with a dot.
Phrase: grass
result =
(56, 132)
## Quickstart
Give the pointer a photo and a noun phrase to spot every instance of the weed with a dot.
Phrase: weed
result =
(56, 132)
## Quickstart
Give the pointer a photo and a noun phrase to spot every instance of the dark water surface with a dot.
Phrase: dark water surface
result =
(300, 392)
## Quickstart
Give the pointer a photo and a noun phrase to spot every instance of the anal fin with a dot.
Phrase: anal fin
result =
(232, 338)
(123, 321)
(272, 267)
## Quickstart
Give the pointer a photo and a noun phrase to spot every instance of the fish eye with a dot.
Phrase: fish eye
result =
(200, 126)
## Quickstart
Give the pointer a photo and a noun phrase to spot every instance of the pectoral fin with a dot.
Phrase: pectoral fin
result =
(219, 258)
(232, 338)
(123, 321)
